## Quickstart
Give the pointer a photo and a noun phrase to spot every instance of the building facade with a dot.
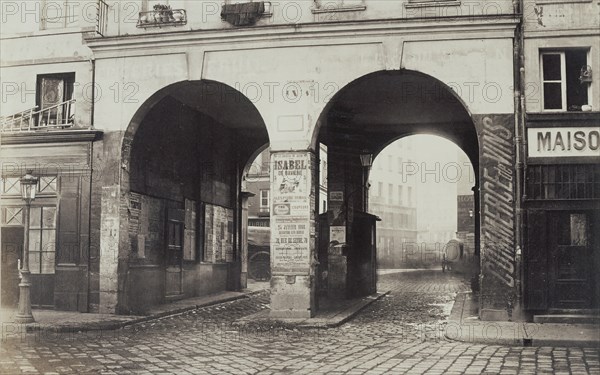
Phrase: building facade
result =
(561, 192)
(141, 196)
(392, 197)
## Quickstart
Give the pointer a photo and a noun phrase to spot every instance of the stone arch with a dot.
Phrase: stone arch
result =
(443, 89)
(182, 153)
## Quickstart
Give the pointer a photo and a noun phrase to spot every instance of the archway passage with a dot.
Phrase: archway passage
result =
(362, 119)
(185, 152)
(422, 190)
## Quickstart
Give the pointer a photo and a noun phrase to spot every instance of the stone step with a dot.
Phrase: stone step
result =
(567, 318)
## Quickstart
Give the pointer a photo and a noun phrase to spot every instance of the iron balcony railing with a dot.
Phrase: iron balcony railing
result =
(162, 18)
(101, 17)
(58, 116)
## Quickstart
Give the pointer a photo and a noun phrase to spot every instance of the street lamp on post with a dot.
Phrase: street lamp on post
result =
(28, 190)
(366, 160)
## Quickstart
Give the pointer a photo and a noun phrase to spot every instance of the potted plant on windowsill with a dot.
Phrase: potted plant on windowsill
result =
(178, 16)
(163, 13)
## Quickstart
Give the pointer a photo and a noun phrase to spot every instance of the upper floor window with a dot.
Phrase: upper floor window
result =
(336, 5)
(60, 14)
(53, 93)
(400, 195)
(264, 201)
(562, 90)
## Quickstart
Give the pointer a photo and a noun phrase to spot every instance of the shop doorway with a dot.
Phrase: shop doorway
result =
(574, 259)
(174, 254)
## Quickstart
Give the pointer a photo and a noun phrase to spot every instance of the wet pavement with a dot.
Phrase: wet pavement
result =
(401, 333)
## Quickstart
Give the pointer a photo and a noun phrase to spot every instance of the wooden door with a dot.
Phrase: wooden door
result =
(573, 257)
(536, 261)
(12, 250)
(42, 254)
(174, 254)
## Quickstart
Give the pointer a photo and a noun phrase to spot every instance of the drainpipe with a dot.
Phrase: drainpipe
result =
(89, 240)
(518, 136)
(93, 106)
(523, 143)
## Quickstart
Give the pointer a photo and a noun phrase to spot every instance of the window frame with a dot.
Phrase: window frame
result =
(400, 195)
(264, 194)
(65, 8)
(40, 246)
(563, 76)
(563, 81)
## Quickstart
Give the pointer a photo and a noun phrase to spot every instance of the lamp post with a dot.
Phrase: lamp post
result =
(28, 190)
(366, 160)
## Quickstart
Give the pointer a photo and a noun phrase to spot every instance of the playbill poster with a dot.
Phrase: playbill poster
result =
(291, 208)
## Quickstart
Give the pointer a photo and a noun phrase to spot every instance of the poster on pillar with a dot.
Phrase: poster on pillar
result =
(292, 215)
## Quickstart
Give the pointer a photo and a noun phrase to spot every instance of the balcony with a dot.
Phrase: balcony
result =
(162, 17)
(56, 117)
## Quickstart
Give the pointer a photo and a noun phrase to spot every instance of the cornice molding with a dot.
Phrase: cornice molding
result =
(85, 135)
(280, 35)
(560, 33)
(562, 119)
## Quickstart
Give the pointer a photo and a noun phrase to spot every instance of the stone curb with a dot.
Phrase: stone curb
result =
(315, 323)
(112, 325)
(346, 317)
(515, 333)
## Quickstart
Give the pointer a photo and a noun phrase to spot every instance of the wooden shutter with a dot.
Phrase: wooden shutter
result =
(68, 221)
(536, 261)
(189, 240)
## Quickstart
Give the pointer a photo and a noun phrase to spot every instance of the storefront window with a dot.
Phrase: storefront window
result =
(572, 230)
(42, 240)
(564, 181)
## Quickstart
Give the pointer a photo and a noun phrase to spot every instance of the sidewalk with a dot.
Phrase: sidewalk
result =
(72, 321)
(464, 325)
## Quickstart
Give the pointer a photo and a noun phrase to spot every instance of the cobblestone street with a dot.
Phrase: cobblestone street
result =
(402, 333)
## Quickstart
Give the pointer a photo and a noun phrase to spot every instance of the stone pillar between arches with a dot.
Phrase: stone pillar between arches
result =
(293, 231)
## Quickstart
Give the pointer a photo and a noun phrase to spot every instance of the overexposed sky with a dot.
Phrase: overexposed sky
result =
(438, 166)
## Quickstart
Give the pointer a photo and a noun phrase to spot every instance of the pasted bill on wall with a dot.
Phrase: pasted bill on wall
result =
(497, 208)
(291, 243)
(218, 227)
